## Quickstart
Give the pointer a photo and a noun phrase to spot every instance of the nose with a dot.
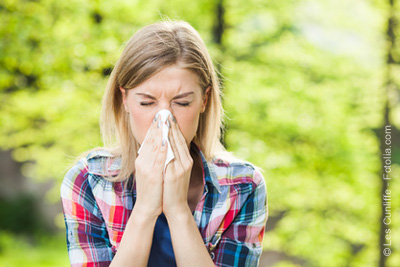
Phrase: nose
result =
(164, 115)
(164, 107)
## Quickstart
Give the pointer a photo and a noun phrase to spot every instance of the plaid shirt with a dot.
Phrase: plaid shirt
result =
(230, 216)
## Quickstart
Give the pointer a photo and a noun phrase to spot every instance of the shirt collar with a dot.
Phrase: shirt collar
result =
(210, 176)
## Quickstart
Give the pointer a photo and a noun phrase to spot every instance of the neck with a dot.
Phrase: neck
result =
(196, 176)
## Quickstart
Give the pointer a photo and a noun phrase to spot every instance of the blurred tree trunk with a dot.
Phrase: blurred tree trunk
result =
(218, 32)
(389, 85)
(219, 26)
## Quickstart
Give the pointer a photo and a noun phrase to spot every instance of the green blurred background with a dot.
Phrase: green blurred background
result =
(308, 87)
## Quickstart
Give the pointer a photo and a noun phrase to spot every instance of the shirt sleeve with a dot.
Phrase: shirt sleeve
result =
(87, 239)
(241, 243)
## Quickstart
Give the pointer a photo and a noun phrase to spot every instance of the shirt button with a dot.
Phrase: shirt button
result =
(212, 255)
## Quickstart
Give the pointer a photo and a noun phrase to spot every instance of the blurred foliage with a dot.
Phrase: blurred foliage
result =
(303, 85)
(44, 251)
(19, 215)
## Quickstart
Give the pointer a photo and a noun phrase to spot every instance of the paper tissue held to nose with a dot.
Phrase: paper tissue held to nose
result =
(164, 113)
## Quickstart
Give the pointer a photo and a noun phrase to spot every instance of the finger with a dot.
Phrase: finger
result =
(171, 137)
(181, 157)
(161, 156)
(180, 142)
(156, 135)
(153, 142)
(150, 132)
(155, 128)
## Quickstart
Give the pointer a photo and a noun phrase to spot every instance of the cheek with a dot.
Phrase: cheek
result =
(188, 122)
(140, 123)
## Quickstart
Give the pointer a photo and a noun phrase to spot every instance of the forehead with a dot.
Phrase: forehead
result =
(171, 80)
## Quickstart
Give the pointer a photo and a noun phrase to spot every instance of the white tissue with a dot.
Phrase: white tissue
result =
(164, 113)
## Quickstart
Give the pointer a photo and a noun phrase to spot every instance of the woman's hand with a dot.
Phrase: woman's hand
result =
(177, 175)
(149, 167)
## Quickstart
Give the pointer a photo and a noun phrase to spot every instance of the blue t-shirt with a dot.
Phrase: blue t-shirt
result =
(161, 253)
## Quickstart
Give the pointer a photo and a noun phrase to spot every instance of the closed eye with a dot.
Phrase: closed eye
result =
(183, 104)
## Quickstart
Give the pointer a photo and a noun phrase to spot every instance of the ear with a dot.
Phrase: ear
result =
(123, 92)
(205, 100)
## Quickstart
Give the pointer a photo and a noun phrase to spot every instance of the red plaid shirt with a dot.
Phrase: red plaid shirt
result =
(231, 214)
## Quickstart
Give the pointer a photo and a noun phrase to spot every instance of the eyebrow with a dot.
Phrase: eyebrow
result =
(175, 97)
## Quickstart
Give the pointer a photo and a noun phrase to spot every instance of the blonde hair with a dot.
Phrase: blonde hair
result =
(148, 51)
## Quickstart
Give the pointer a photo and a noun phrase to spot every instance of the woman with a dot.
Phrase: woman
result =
(124, 208)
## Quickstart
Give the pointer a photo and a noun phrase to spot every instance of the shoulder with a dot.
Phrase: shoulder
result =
(231, 170)
(90, 169)
(103, 162)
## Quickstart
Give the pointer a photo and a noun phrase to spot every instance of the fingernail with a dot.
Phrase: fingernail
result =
(173, 118)
(155, 118)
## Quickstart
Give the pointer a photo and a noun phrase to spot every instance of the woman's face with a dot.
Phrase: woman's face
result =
(173, 88)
